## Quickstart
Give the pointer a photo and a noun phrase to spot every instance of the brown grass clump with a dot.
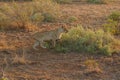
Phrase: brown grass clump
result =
(19, 59)
(92, 67)
(4, 45)
(17, 16)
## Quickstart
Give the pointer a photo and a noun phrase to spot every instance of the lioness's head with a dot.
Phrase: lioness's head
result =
(62, 29)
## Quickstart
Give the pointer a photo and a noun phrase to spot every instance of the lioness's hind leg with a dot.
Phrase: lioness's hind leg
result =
(35, 45)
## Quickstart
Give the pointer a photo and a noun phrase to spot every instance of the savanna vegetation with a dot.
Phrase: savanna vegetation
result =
(90, 50)
(86, 40)
(32, 14)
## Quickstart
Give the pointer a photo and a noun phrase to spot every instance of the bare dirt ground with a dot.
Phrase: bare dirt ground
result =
(90, 14)
(46, 64)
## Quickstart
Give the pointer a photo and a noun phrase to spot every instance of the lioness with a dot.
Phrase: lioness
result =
(52, 35)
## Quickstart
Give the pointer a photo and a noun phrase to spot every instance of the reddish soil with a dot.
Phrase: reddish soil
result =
(90, 14)
(46, 64)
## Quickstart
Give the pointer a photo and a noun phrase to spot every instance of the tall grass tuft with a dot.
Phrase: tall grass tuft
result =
(27, 15)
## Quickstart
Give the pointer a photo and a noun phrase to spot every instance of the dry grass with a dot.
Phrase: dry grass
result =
(5, 46)
(19, 59)
(27, 16)
(92, 65)
(51, 66)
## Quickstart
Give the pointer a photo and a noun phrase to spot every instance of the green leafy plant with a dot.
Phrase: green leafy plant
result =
(49, 18)
(98, 1)
(63, 1)
(3, 79)
(115, 16)
(113, 23)
(3, 20)
(79, 39)
(72, 19)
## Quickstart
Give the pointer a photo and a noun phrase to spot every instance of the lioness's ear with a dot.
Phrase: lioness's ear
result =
(62, 26)
(66, 29)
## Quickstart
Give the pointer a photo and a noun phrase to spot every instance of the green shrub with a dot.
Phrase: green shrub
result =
(72, 19)
(23, 15)
(112, 27)
(37, 17)
(115, 16)
(63, 1)
(113, 23)
(79, 39)
(98, 1)
(48, 8)
(49, 18)
(3, 20)
(4, 79)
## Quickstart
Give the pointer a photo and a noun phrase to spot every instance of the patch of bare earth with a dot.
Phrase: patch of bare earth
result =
(90, 14)
(46, 64)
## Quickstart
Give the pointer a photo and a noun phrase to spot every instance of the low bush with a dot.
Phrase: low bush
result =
(115, 16)
(113, 23)
(98, 1)
(24, 15)
(91, 63)
(3, 78)
(80, 39)
(4, 21)
(64, 1)
(112, 27)
(49, 18)
(72, 19)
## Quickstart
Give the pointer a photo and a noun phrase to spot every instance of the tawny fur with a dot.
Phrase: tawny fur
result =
(52, 35)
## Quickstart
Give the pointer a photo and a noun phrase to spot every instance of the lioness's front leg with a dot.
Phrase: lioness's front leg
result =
(35, 45)
(42, 44)
(54, 43)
